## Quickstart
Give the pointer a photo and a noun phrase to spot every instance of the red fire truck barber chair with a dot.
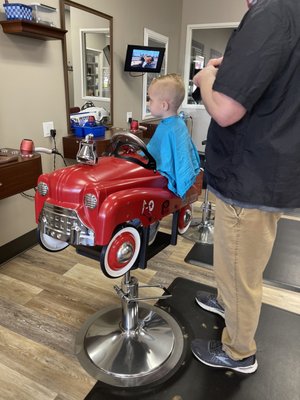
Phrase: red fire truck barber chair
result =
(104, 208)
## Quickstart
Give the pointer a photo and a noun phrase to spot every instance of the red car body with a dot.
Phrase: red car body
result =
(86, 204)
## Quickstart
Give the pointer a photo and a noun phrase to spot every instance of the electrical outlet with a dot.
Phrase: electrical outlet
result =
(47, 126)
(128, 115)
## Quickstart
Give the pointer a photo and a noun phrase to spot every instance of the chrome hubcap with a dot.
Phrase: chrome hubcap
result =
(125, 252)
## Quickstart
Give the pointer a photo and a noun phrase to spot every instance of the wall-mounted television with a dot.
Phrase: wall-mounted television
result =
(144, 58)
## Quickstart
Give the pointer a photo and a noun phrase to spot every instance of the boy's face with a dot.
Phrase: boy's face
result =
(155, 102)
(148, 59)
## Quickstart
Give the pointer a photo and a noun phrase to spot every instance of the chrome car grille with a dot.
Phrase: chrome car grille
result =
(64, 224)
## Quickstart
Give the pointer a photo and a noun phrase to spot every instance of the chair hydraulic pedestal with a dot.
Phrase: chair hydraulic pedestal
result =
(202, 230)
(134, 345)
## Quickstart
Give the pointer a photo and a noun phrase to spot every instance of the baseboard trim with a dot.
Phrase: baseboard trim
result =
(17, 246)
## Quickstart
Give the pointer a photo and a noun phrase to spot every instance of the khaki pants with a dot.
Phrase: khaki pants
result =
(243, 242)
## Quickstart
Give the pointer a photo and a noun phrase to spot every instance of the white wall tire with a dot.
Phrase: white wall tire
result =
(185, 219)
(119, 256)
(51, 244)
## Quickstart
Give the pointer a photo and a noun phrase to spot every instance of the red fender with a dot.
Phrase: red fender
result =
(146, 204)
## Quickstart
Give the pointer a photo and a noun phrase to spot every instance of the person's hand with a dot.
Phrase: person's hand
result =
(210, 70)
(215, 62)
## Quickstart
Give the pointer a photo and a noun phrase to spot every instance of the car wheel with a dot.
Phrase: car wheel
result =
(119, 256)
(185, 219)
(49, 243)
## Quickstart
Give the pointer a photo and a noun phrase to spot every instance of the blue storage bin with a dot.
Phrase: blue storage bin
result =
(97, 131)
(78, 131)
(18, 11)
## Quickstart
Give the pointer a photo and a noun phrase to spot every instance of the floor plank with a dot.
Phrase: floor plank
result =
(38, 327)
(62, 308)
(17, 386)
(17, 291)
(43, 366)
(56, 283)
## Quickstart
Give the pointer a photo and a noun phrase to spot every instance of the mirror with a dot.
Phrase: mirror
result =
(203, 42)
(87, 55)
(95, 68)
(157, 40)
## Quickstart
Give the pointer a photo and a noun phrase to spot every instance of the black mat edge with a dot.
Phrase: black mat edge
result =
(207, 263)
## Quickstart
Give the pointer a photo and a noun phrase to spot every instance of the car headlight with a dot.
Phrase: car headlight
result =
(42, 188)
(90, 201)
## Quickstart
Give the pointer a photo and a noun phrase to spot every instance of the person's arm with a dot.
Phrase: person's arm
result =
(223, 109)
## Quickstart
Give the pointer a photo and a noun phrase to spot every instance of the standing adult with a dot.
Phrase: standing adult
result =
(252, 166)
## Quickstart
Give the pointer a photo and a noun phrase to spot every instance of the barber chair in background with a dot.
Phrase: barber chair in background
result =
(201, 229)
(74, 110)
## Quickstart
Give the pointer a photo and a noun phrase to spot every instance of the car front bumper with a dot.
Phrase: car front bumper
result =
(64, 224)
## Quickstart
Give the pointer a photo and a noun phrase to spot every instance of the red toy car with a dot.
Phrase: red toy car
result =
(109, 202)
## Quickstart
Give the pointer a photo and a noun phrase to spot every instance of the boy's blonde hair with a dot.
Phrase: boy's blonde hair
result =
(170, 88)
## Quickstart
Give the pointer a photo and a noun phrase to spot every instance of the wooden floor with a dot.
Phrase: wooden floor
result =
(44, 300)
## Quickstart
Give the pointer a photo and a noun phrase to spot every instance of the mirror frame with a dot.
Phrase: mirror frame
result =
(188, 47)
(62, 4)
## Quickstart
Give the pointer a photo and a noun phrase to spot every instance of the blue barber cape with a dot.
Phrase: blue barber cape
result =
(175, 154)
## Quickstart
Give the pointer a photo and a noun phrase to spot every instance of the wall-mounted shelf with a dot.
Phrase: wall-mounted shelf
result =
(32, 30)
(20, 174)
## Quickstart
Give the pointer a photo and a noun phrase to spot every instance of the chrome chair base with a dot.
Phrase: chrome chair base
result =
(115, 350)
(201, 230)
(202, 233)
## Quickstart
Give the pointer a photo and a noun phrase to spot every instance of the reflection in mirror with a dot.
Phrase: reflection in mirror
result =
(87, 51)
(203, 43)
(95, 59)
(156, 40)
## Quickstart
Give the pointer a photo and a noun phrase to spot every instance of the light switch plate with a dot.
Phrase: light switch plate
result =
(47, 126)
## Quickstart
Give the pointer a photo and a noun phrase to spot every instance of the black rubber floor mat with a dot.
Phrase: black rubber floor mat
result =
(283, 269)
(278, 357)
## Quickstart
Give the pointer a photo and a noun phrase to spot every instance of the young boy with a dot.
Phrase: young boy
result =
(171, 145)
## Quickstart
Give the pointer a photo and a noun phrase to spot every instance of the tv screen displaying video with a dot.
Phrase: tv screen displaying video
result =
(144, 58)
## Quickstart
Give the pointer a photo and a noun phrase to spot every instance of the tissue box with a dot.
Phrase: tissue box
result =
(44, 14)
(17, 11)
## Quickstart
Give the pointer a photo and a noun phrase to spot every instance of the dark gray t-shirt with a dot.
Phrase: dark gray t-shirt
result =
(257, 160)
